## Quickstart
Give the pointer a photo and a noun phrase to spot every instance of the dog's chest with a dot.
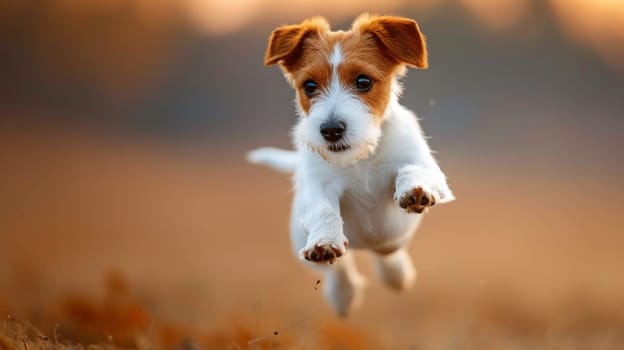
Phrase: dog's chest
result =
(371, 217)
(364, 195)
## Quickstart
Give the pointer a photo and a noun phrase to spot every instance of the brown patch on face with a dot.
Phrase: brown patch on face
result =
(376, 47)
(363, 56)
(313, 65)
(301, 50)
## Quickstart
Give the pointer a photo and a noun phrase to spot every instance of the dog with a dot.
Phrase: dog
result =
(363, 171)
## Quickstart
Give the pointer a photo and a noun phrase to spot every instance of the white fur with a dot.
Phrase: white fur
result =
(279, 159)
(396, 269)
(349, 200)
(340, 103)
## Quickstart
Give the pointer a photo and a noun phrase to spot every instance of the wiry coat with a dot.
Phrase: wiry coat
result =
(367, 189)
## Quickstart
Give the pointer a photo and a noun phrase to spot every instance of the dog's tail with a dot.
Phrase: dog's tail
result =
(278, 159)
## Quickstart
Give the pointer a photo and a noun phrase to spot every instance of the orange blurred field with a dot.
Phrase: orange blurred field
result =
(129, 219)
(523, 259)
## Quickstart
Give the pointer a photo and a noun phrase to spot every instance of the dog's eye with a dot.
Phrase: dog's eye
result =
(309, 87)
(363, 83)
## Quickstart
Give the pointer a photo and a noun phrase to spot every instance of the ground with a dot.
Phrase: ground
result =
(116, 242)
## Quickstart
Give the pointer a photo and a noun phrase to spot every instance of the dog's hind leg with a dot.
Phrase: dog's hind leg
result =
(343, 285)
(396, 269)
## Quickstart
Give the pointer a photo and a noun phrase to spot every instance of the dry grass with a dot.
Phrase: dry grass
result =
(120, 320)
(513, 264)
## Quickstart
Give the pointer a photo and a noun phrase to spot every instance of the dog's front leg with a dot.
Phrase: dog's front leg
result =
(317, 210)
(420, 186)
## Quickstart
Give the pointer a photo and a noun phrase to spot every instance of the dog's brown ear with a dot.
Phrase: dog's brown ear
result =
(285, 42)
(400, 36)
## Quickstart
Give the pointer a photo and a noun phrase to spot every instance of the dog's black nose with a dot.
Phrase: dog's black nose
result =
(332, 130)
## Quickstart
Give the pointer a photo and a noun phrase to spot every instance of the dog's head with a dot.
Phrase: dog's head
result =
(345, 79)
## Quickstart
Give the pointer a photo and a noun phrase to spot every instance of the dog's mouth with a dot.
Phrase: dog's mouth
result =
(338, 147)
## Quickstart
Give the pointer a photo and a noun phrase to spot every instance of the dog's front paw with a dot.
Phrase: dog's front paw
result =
(417, 200)
(326, 250)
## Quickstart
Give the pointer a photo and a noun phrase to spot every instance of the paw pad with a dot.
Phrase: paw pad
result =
(417, 200)
(324, 253)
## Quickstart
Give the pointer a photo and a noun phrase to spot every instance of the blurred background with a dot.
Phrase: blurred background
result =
(129, 216)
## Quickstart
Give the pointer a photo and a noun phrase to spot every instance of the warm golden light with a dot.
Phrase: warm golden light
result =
(497, 14)
(596, 23)
(124, 126)
(220, 17)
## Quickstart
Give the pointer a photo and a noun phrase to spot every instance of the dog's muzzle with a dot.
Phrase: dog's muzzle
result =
(332, 131)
